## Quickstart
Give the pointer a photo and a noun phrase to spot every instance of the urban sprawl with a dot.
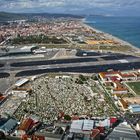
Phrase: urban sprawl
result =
(62, 79)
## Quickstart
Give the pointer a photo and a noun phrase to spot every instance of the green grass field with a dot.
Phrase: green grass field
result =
(135, 86)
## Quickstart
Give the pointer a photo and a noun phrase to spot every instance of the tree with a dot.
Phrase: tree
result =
(2, 135)
(67, 117)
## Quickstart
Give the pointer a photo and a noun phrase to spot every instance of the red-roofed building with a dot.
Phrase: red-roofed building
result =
(119, 88)
(106, 75)
(75, 117)
(26, 137)
(128, 76)
(123, 104)
(115, 79)
(2, 97)
(113, 120)
(26, 124)
(137, 74)
(101, 129)
(95, 134)
(117, 76)
(33, 137)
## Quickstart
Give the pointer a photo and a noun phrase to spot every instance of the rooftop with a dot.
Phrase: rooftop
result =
(123, 131)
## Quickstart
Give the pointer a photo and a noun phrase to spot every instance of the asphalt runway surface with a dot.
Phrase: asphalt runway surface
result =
(4, 75)
(50, 62)
(82, 69)
(111, 56)
(74, 60)
(118, 57)
(1, 65)
(71, 65)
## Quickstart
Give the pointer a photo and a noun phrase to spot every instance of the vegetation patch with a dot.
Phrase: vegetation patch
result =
(135, 86)
(36, 39)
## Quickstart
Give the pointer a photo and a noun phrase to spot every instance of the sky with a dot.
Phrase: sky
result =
(105, 7)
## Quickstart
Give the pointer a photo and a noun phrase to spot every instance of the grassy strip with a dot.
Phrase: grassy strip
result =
(109, 98)
(135, 86)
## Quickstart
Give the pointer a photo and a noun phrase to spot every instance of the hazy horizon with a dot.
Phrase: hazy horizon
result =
(95, 7)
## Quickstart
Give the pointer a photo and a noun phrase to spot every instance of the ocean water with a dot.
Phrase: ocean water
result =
(125, 28)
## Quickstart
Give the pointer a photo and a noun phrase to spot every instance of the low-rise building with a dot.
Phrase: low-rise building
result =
(84, 129)
(128, 76)
(9, 126)
(105, 76)
(21, 82)
(137, 74)
(132, 100)
(34, 137)
(26, 124)
(134, 108)
(119, 91)
(123, 104)
(119, 88)
(123, 132)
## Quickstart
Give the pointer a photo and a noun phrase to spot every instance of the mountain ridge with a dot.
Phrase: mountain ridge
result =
(5, 16)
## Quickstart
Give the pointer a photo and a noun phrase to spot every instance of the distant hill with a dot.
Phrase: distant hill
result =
(10, 16)
(4, 16)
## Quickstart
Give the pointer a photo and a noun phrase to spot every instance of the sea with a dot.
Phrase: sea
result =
(125, 28)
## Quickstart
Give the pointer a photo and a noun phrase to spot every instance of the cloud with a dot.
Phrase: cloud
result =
(79, 6)
(29, 3)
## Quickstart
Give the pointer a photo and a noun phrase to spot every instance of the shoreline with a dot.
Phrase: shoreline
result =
(110, 36)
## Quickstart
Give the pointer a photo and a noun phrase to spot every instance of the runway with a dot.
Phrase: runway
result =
(1, 65)
(85, 64)
(51, 62)
(4, 75)
(72, 61)
(82, 69)
(117, 57)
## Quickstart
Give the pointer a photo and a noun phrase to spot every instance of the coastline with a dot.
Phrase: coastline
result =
(110, 36)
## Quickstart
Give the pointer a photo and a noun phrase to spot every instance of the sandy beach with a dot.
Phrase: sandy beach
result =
(109, 36)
